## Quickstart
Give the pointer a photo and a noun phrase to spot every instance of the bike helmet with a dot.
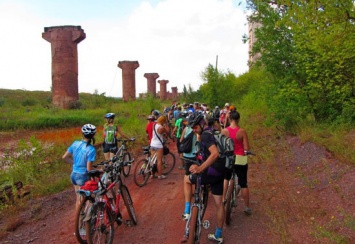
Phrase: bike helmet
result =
(195, 119)
(184, 114)
(110, 116)
(88, 130)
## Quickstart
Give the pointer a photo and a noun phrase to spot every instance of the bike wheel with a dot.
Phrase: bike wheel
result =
(100, 227)
(193, 226)
(141, 173)
(229, 202)
(127, 168)
(80, 229)
(129, 204)
(168, 163)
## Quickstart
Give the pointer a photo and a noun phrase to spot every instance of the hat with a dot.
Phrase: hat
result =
(216, 107)
(226, 105)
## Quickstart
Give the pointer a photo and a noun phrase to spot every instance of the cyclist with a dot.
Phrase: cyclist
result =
(149, 127)
(180, 124)
(241, 144)
(212, 170)
(109, 145)
(226, 119)
(156, 144)
(81, 154)
(222, 114)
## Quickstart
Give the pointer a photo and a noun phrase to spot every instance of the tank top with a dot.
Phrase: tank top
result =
(155, 142)
(238, 145)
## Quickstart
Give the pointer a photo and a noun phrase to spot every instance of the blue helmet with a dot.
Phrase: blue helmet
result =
(110, 116)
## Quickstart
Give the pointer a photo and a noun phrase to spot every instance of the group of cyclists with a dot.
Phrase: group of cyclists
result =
(196, 118)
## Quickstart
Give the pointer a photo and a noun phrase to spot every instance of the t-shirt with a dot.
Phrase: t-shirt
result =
(149, 130)
(177, 125)
(82, 153)
(157, 142)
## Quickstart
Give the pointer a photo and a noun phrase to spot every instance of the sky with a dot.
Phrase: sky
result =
(177, 39)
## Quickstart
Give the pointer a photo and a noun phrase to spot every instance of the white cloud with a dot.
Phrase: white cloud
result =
(175, 38)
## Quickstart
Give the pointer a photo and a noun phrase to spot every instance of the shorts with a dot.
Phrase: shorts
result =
(109, 148)
(188, 165)
(242, 173)
(79, 179)
(178, 144)
(215, 182)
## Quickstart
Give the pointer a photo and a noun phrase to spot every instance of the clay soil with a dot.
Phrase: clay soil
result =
(303, 196)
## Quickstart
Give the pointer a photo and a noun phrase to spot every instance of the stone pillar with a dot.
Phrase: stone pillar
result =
(64, 41)
(128, 79)
(174, 92)
(151, 83)
(163, 95)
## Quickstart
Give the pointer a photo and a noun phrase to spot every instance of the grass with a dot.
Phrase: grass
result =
(24, 112)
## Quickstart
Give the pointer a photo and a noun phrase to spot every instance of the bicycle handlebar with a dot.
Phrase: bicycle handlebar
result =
(126, 140)
(247, 153)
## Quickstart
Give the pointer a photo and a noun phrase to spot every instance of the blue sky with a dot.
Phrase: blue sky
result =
(175, 38)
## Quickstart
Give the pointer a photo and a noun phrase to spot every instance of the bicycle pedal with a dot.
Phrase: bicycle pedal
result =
(206, 224)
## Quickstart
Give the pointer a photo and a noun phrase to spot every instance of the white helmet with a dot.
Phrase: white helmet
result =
(88, 130)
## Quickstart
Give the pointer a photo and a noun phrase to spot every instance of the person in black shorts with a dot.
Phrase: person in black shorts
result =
(212, 170)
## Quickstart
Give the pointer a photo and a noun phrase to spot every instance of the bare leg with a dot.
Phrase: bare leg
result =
(219, 210)
(245, 195)
(160, 161)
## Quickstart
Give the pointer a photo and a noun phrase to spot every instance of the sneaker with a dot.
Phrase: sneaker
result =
(185, 216)
(212, 237)
(247, 211)
(161, 177)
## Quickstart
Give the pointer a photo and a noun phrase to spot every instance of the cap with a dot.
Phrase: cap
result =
(226, 105)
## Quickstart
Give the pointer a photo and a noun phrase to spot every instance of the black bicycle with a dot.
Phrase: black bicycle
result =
(195, 222)
(124, 153)
(232, 192)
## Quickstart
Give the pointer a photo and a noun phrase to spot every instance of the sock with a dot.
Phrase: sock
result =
(218, 233)
(187, 207)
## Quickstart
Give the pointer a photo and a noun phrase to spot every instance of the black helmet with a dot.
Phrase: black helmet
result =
(184, 114)
(88, 130)
(110, 116)
(195, 119)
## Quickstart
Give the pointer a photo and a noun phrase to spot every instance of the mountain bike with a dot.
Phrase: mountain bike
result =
(106, 210)
(148, 166)
(195, 222)
(232, 192)
(123, 152)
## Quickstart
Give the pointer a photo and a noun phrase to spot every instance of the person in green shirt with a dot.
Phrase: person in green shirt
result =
(180, 124)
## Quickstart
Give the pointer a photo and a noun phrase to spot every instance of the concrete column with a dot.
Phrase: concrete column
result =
(163, 94)
(128, 79)
(151, 83)
(174, 92)
(64, 41)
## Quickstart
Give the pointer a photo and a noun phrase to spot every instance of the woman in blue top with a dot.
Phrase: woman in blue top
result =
(81, 154)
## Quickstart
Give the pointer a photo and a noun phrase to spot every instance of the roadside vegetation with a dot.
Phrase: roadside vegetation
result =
(297, 88)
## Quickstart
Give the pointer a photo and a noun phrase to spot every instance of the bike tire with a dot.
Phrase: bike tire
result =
(168, 163)
(129, 204)
(100, 227)
(141, 173)
(84, 207)
(229, 202)
(193, 226)
(126, 169)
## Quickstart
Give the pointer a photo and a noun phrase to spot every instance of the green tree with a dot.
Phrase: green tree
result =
(308, 46)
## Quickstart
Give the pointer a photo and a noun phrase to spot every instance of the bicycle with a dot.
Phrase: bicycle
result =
(197, 209)
(123, 152)
(232, 192)
(148, 166)
(105, 211)
(88, 198)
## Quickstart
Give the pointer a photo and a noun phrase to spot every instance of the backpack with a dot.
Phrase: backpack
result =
(186, 143)
(225, 145)
(110, 134)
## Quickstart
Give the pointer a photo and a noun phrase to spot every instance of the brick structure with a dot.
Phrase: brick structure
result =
(128, 79)
(64, 41)
(151, 83)
(163, 93)
(174, 91)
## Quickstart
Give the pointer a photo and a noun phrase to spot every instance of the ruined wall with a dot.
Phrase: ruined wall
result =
(128, 79)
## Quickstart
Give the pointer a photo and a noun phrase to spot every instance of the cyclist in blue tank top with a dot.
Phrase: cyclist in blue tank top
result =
(81, 154)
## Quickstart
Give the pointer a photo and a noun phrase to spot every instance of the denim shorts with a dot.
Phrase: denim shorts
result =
(79, 179)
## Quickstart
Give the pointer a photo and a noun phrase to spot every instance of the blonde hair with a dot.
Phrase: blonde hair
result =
(161, 120)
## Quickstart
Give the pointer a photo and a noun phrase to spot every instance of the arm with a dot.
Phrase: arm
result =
(68, 158)
(242, 135)
(225, 132)
(89, 166)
